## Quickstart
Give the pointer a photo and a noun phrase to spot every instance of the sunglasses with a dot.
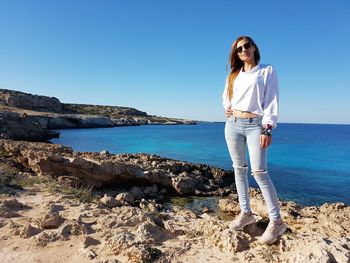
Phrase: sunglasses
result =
(245, 46)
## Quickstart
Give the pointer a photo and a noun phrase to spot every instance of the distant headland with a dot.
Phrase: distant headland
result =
(25, 116)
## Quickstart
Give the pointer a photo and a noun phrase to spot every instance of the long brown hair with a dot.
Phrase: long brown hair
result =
(236, 64)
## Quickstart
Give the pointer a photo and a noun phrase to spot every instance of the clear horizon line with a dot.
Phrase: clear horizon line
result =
(319, 123)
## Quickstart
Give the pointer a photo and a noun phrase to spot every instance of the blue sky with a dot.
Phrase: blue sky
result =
(169, 58)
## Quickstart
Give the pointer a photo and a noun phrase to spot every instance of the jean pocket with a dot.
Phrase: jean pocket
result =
(255, 122)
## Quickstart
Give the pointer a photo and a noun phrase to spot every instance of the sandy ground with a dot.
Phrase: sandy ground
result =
(14, 248)
(319, 234)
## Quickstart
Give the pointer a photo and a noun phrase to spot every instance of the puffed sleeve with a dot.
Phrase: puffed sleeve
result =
(271, 98)
(225, 100)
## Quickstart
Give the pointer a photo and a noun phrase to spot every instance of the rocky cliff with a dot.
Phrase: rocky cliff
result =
(23, 100)
(25, 116)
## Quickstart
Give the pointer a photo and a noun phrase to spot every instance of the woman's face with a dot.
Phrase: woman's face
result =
(245, 50)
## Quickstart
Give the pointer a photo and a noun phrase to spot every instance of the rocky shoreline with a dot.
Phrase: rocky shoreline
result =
(30, 117)
(105, 169)
(100, 207)
(60, 205)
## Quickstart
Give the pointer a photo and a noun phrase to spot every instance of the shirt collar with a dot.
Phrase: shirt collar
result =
(252, 69)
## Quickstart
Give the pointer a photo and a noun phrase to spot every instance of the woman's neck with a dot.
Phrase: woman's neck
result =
(248, 65)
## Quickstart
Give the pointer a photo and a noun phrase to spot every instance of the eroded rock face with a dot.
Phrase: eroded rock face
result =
(28, 101)
(105, 170)
(17, 126)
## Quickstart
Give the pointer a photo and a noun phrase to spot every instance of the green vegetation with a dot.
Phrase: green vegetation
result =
(84, 193)
(13, 179)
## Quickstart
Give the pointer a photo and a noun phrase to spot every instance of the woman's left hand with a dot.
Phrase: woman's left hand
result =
(265, 141)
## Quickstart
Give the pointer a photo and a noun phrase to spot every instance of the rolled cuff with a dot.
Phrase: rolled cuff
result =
(271, 120)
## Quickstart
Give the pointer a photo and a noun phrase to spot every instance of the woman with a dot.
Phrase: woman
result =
(250, 100)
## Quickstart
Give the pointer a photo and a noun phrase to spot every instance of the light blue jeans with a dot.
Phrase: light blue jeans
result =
(240, 134)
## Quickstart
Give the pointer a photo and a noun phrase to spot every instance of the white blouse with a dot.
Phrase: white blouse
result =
(255, 91)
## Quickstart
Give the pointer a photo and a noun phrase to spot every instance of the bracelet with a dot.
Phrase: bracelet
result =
(266, 130)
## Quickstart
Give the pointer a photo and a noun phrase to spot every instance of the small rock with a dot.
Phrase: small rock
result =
(29, 231)
(52, 207)
(44, 238)
(109, 201)
(123, 198)
(5, 212)
(51, 220)
(87, 220)
(13, 203)
(88, 253)
(90, 241)
(184, 185)
(72, 227)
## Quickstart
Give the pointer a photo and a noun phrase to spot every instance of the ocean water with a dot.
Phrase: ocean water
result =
(308, 163)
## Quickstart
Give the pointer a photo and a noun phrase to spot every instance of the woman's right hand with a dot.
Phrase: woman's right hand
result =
(228, 112)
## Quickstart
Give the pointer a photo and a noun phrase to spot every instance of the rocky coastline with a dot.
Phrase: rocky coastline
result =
(30, 117)
(60, 205)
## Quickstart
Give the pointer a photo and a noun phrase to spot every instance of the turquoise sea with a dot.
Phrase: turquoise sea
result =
(309, 163)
